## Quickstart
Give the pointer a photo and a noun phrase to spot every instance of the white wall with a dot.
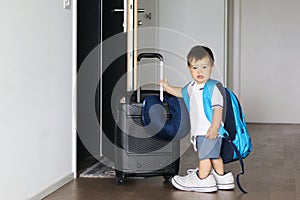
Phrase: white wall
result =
(270, 64)
(35, 96)
(185, 24)
(174, 29)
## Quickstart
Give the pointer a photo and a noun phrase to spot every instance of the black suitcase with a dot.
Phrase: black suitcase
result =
(137, 153)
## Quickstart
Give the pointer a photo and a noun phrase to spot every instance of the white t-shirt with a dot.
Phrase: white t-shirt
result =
(198, 119)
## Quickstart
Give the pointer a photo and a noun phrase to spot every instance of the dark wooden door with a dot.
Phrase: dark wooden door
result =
(114, 46)
(96, 24)
(88, 38)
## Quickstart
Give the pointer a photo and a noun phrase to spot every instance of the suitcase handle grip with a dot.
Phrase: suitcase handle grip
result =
(150, 55)
(161, 59)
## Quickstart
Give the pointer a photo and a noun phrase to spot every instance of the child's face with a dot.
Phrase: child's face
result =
(201, 69)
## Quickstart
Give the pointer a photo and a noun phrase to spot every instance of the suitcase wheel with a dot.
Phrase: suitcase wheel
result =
(120, 178)
(167, 177)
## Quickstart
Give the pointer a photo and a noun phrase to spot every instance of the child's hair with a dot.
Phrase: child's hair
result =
(198, 52)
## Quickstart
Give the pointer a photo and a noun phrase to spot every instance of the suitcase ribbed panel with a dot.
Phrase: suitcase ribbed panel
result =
(149, 162)
(133, 137)
(147, 145)
(135, 109)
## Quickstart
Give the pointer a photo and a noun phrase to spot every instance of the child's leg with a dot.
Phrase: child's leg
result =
(224, 181)
(204, 168)
(218, 165)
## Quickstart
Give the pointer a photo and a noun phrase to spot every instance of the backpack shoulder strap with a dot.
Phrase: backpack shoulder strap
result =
(210, 85)
(207, 95)
(185, 95)
(228, 139)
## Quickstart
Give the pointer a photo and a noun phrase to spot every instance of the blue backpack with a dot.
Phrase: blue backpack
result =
(236, 139)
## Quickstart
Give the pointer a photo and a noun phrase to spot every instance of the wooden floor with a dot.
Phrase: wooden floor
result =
(272, 173)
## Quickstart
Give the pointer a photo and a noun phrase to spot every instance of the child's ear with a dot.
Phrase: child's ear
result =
(213, 66)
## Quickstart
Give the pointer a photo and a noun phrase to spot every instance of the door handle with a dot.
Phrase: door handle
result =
(116, 10)
(141, 10)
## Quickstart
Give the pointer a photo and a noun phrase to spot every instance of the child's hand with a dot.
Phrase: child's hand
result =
(176, 91)
(164, 82)
(211, 134)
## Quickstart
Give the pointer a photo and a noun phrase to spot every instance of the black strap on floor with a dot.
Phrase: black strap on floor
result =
(228, 139)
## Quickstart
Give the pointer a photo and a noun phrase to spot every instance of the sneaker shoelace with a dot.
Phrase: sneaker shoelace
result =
(189, 171)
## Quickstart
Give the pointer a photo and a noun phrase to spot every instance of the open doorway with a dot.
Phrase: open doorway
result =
(97, 22)
(88, 37)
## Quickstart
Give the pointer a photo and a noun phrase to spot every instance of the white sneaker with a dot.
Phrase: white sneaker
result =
(224, 182)
(191, 182)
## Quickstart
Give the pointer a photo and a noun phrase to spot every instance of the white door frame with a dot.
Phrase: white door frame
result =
(234, 45)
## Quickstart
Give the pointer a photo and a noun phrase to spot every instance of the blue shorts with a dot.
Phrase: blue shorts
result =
(208, 148)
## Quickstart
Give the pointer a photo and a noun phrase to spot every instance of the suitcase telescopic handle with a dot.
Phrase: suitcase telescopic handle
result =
(150, 55)
(161, 59)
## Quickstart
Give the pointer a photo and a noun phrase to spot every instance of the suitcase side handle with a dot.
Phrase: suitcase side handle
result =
(161, 59)
(150, 55)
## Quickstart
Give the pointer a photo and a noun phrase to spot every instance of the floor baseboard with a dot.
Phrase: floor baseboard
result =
(53, 187)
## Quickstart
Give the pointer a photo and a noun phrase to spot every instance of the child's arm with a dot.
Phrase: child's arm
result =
(215, 125)
(176, 91)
